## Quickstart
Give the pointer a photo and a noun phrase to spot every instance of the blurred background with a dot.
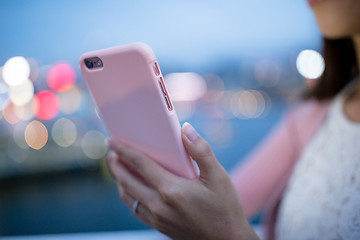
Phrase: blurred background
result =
(232, 68)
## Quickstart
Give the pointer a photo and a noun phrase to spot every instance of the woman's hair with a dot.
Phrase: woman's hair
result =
(340, 69)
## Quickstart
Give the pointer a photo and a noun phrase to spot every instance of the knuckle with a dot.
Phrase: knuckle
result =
(135, 160)
(204, 149)
(123, 183)
(171, 194)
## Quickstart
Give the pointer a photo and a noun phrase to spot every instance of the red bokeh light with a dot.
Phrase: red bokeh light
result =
(46, 105)
(61, 77)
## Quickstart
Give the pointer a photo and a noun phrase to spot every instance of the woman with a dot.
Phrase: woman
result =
(311, 162)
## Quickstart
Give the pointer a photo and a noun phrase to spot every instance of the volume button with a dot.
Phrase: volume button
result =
(162, 87)
(168, 103)
(156, 69)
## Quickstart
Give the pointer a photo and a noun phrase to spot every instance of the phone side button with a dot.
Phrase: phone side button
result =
(168, 103)
(156, 69)
(162, 87)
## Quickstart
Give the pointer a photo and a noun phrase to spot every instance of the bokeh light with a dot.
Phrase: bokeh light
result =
(36, 135)
(215, 87)
(61, 77)
(22, 93)
(93, 144)
(267, 73)
(310, 64)
(15, 71)
(223, 105)
(247, 104)
(64, 132)
(10, 114)
(46, 105)
(185, 86)
(25, 112)
(70, 100)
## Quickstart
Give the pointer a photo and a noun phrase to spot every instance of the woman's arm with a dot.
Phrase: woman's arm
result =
(258, 178)
(262, 177)
(208, 207)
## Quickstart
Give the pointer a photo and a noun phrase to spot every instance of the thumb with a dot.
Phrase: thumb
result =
(199, 150)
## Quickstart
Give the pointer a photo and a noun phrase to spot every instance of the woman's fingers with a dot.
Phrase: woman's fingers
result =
(129, 183)
(153, 173)
(142, 211)
(199, 150)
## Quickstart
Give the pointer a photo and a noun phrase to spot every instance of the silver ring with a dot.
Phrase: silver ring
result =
(135, 206)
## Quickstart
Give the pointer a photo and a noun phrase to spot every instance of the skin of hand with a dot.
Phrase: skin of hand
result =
(207, 207)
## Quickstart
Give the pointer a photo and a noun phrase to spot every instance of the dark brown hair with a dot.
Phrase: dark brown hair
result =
(340, 69)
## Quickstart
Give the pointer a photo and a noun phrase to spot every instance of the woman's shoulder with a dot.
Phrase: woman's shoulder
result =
(306, 117)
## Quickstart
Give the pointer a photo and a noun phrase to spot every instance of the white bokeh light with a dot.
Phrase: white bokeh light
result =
(93, 144)
(64, 132)
(15, 71)
(185, 86)
(310, 64)
(22, 93)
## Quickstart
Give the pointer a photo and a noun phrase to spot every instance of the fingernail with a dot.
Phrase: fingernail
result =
(190, 132)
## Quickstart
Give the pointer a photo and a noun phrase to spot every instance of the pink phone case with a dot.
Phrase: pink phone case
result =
(133, 102)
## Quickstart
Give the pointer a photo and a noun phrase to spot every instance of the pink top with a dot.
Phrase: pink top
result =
(262, 177)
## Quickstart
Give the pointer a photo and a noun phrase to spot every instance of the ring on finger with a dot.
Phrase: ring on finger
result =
(135, 207)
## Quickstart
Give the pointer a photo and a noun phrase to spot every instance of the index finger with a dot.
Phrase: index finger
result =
(147, 168)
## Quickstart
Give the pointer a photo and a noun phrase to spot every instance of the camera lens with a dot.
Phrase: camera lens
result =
(88, 63)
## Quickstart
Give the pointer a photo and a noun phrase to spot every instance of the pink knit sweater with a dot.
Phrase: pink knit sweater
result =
(262, 177)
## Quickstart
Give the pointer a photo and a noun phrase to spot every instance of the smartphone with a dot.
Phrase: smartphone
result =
(130, 93)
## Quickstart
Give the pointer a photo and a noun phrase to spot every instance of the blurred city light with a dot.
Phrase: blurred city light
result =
(10, 114)
(310, 64)
(15, 71)
(215, 87)
(36, 135)
(46, 105)
(61, 77)
(93, 144)
(267, 73)
(64, 132)
(247, 104)
(70, 100)
(25, 112)
(185, 86)
(21, 93)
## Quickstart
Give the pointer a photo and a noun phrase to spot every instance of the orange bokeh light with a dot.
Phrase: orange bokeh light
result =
(36, 135)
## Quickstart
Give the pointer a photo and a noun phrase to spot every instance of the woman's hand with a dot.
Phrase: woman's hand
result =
(204, 208)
